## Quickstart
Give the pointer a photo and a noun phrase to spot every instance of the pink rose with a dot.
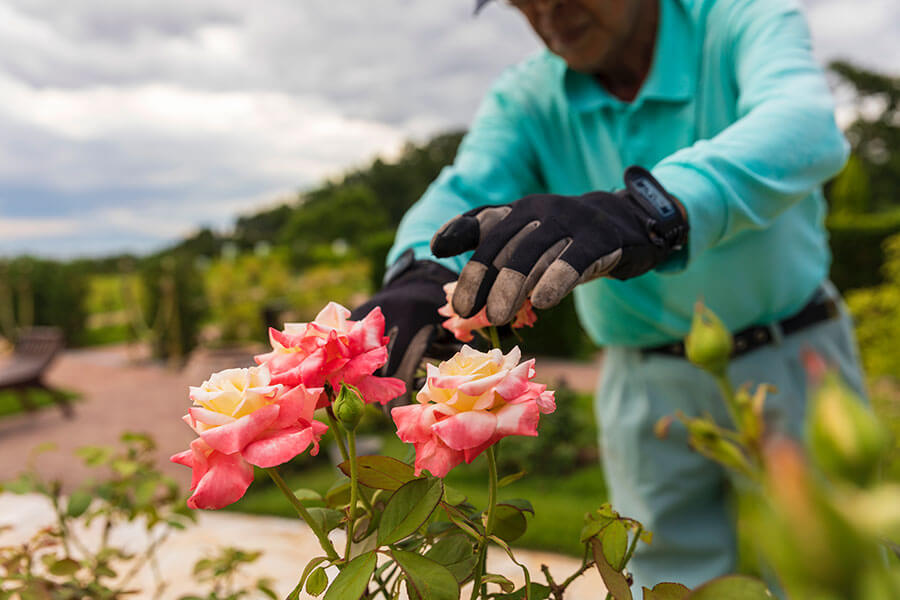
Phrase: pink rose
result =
(469, 403)
(333, 349)
(244, 419)
(462, 328)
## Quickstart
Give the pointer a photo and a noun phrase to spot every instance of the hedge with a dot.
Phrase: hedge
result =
(857, 247)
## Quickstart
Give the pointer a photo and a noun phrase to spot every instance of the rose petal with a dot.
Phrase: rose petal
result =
(277, 447)
(466, 429)
(436, 457)
(225, 482)
(380, 390)
(518, 419)
(232, 438)
(297, 403)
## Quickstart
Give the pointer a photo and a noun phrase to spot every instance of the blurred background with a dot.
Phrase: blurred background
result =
(175, 176)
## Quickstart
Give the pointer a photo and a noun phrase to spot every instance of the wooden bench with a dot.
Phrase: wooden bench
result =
(24, 369)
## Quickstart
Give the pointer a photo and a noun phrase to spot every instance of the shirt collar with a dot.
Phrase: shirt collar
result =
(672, 74)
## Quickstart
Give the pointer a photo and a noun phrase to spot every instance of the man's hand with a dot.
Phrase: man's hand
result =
(409, 301)
(542, 246)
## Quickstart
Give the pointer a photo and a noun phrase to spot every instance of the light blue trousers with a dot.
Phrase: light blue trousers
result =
(682, 497)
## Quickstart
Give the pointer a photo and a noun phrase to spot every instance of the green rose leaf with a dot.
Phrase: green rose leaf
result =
(667, 591)
(510, 479)
(521, 504)
(536, 592)
(615, 581)
(312, 564)
(456, 553)
(509, 522)
(426, 579)
(731, 587)
(79, 502)
(305, 495)
(353, 580)
(317, 582)
(505, 584)
(326, 518)
(64, 566)
(408, 509)
(452, 496)
(615, 544)
(338, 494)
(380, 472)
(593, 526)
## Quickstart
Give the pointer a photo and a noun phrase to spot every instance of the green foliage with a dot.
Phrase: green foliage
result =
(558, 332)
(42, 292)
(877, 314)
(875, 134)
(819, 515)
(175, 304)
(57, 563)
(567, 441)
(11, 402)
(857, 248)
(219, 571)
(348, 213)
(239, 288)
(849, 191)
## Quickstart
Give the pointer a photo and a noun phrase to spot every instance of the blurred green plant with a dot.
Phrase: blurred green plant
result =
(238, 288)
(58, 563)
(876, 311)
(820, 515)
(174, 305)
(42, 292)
(219, 571)
(567, 442)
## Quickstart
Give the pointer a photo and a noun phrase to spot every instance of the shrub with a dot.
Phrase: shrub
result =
(856, 246)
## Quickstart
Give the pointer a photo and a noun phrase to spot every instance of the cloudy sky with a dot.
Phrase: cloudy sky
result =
(127, 124)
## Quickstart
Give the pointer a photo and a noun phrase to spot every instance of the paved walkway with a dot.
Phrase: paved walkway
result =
(122, 392)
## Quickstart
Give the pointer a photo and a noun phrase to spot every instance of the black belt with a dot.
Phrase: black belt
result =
(821, 308)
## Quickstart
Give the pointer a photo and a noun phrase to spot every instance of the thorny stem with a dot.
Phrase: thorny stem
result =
(559, 589)
(354, 492)
(149, 554)
(338, 436)
(489, 525)
(637, 535)
(730, 402)
(495, 337)
(304, 514)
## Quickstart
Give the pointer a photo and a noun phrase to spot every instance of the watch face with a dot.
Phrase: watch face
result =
(655, 196)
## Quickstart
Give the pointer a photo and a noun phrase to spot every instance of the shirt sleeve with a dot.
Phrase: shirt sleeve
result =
(495, 164)
(783, 145)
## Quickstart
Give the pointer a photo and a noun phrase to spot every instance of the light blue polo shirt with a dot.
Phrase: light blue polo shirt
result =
(735, 119)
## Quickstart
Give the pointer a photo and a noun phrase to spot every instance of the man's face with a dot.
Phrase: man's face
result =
(587, 34)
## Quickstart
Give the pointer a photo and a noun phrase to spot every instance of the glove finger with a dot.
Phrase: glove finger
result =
(477, 277)
(465, 232)
(522, 271)
(573, 266)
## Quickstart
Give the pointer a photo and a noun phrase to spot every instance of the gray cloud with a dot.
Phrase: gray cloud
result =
(127, 123)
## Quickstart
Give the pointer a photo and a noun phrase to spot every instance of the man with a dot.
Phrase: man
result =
(729, 123)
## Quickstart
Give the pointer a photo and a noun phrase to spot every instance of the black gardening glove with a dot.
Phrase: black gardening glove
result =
(544, 245)
(412, 293)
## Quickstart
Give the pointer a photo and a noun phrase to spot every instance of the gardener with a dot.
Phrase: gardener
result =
(728, 123)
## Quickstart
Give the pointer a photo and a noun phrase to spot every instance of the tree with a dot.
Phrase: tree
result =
(874, 135)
